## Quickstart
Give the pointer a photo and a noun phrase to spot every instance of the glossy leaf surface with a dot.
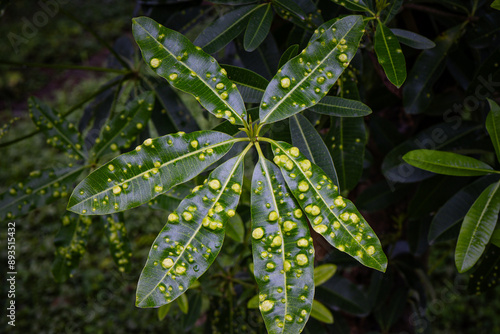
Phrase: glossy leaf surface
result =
(323, 273)
(321, 312)
(235, 229)
(39, 189)
(60, 133)
(305, 79)
(331, 215)
(258, 27)
(225, 29)
(341, 107)
(412, 39)
(137, 177)
(193, 236)
(288, 54)
(119, 244)
(477, 228)
(309, 142)
(391, 10)
(447, 163)
(355, 5)
(493, 126)
(188, 68)
(346, 141)
(390, 55)
(170, 200)
(283, 252)
(71, 244)
(121, 131)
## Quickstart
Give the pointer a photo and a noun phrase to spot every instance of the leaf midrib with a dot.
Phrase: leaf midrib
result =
(434, 163)
(273, 109)
(198, 76)
(234, 140)
(324, 201)
(382, 32)
(260, 23)
(264, 166)
(481, 216)
(235, 166)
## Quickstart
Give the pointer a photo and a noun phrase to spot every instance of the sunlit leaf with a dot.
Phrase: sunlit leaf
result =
(71, 245)
(258, 27)
(39, 189)
(477, 228)
(283, 252)
(188, 68)
(331, 215)
(321, 313)
(137, 177)
(323, 273)
(192, 238)
(60, 132)
(496, 4)
(309, 142)
(447, 163)
(390, 55)
(307, 78)
(121, 131)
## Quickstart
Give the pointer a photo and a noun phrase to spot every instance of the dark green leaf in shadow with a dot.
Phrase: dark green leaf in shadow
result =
(258, 27)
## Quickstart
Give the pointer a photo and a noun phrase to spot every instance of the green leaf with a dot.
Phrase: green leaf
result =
(188, 68)
(447, 163)
(321, 313)
(291, 7)
(137, 177)
(496, 4)
(485, 276)
(346, 141)
(253, 303)
(60, 132)
(309, 142)
(121, 131)
(251, 85)
(39, 189)
(119, 244)
(477, 228)
(495, 237)
(323, 273)
(258, 27)
(183, 303)
(234, 2)
(71, 244)
(355, 5)
(390, 55)
(493, 126)
(235, 229)
(190, 241)
(283, 252)
(332, 216)
(391, 10)
(170, 200)
(226, 28)
(338, 106)
(442, 136)
(288, 54)
(448, 217)
(412, 39)
(426, 70)
(307, 78)
(163, 311)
